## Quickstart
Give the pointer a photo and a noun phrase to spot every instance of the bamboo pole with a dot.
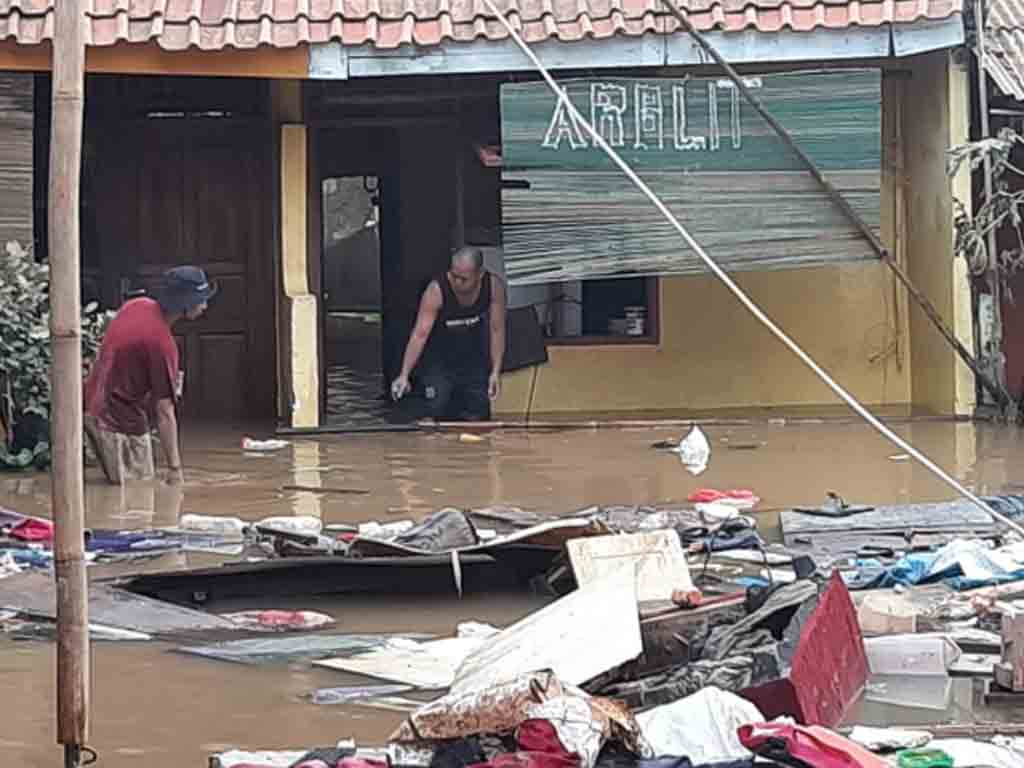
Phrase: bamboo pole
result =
(993, 387)
(66, 379)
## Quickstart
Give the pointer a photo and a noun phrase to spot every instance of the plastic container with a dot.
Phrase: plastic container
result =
(925, 655)
(224, 526)
(263, 446)
(924, 758)
(303, 525)
(636, 321)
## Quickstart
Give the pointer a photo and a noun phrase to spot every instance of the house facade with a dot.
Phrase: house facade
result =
(321, 159)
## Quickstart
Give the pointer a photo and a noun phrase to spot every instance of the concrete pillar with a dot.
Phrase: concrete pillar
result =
(299, 307)
(296, 306)
(936, 117)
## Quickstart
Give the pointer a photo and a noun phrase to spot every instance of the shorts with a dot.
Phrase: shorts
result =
(122, 457)
(457, 395)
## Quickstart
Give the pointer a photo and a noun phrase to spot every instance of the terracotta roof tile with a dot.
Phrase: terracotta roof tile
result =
(1004, 27)
(216, 24)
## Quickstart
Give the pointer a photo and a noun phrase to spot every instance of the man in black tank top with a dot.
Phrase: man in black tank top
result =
(462, 314)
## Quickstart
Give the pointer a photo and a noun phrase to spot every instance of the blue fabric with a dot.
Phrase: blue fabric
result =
(132, 541)
(37, 558)
(913, 569)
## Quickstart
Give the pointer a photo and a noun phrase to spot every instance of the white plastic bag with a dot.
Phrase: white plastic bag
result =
(262, 446)
(888, 739)
(702, 726)
(225, 526)
(303, 525)
(695, 451)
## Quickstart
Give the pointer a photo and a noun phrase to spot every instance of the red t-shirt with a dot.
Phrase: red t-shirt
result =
(137, 365)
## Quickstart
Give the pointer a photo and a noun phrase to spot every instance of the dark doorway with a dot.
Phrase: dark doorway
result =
(387, 210)
(353, 314)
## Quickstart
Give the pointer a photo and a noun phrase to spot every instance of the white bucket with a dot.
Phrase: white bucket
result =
(636, 321)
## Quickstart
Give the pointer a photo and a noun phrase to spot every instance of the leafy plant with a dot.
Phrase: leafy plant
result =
(1002, 213)
(25, 351)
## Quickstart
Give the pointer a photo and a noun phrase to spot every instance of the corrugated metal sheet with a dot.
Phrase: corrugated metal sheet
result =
(16, 106)
(386, 24)
(713, 162)
(1004, 43)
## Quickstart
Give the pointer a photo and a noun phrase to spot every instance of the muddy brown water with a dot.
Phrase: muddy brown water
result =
(160, 709)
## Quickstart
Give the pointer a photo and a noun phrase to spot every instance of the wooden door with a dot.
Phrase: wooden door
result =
(198, 192)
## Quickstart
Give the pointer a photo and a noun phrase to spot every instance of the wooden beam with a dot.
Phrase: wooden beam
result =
(66, 381)
(151, 59)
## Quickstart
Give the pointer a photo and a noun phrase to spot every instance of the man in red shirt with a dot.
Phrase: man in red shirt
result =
(135, 380)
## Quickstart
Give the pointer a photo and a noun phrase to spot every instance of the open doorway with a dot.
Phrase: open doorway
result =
(352, 301)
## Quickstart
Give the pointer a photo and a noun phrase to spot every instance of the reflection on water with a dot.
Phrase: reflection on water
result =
(160, 709)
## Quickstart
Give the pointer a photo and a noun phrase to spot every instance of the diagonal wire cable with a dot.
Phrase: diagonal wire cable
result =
(729, 283)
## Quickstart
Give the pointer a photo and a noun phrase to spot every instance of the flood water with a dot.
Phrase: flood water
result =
(152, 707)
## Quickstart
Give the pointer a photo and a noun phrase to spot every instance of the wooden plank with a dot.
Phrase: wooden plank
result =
(579, 224)
(551, 534)
(291, 576)
(16, 152)
(431, 665)
(578, 637)
(34, 593)
(668, 638)
(945, 516)
(656, 559)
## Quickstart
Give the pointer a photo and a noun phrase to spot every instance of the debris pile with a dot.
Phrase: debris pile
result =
(715, 648)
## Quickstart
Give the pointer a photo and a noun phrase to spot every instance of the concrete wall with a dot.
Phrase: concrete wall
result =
(936, 114)
(713, 354)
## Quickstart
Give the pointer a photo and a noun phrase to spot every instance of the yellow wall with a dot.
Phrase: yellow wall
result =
(714, 354)
(936, 114)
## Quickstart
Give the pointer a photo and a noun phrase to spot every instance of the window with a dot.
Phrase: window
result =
(601, 311)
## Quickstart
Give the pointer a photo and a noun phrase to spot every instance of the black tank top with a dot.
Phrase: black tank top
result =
(461, 337)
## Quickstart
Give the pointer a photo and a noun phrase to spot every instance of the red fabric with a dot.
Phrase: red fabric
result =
(539, 747)
(33, 529)
(137, 365)
(360, 762)
(531, 760)
(814, 746)
(541, 736)
(708, 495)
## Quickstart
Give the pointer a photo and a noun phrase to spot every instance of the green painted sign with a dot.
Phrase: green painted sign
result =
(696, 124)
(710, 158)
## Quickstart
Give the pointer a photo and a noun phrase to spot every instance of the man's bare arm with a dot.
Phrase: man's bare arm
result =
(430, 306)
(497, 337)
(498, 302)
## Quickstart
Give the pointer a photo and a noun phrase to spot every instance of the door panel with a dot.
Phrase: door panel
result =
(221, 371)
(160, 204)
(200, 194)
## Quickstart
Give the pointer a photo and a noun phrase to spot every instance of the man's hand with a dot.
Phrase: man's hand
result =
(174, 476)
(494, 386)
(399, 387)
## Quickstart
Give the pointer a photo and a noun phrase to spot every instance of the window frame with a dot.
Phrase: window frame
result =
(651, 338)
